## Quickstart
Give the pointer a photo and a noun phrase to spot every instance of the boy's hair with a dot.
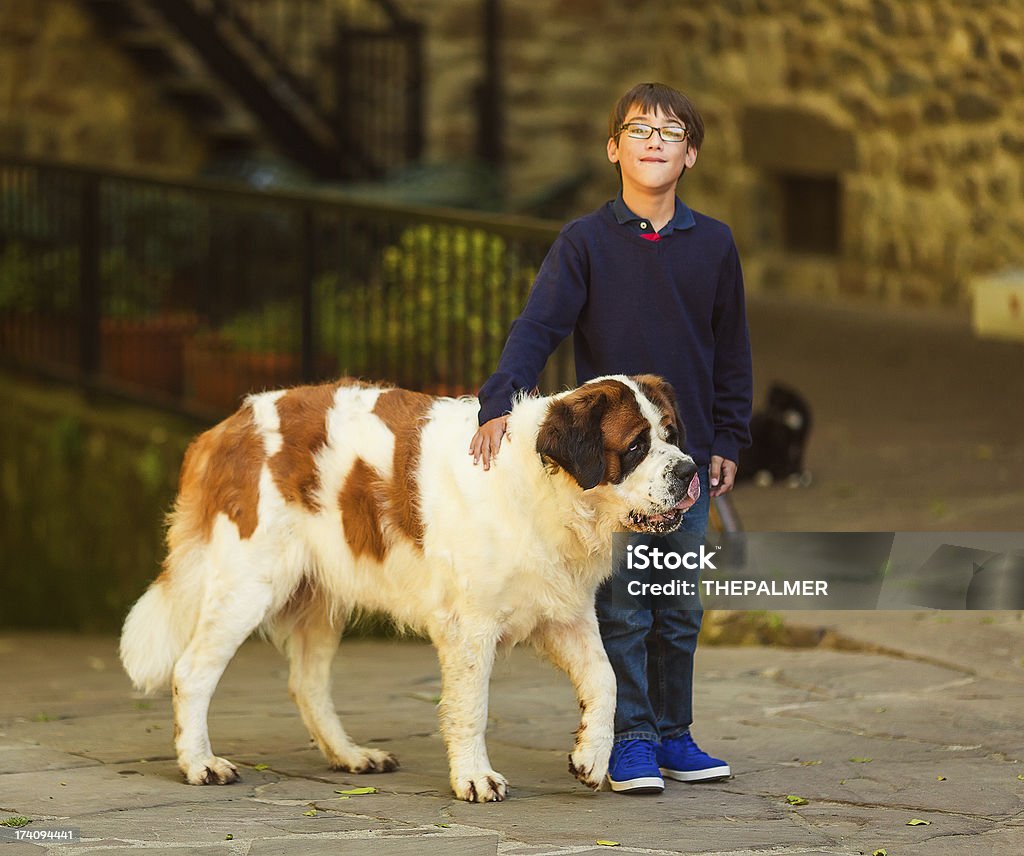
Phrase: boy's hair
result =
(650, 96)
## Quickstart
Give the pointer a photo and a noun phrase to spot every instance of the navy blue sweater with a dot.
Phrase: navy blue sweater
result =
(672, 307)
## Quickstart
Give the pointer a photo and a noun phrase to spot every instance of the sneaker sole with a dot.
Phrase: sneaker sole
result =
(708, 775)
(642, 785)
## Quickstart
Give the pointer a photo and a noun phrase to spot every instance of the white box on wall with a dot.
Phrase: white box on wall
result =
(999, 306)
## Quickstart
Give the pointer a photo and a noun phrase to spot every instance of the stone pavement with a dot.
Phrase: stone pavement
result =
(904, 716)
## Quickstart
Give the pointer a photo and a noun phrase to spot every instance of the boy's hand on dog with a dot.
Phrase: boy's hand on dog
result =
(487, 440)
(723, 475)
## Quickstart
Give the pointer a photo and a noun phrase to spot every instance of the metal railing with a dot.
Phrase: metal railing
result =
(190, 294)
(357, 63)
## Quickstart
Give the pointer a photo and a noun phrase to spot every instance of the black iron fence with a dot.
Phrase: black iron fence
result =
(190, 295)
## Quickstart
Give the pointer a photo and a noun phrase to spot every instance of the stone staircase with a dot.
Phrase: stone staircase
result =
(278, 76)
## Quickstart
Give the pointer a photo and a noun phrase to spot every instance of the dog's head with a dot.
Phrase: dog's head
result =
(623, 436)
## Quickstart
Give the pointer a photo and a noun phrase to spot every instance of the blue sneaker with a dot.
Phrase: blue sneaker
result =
(633, 768)
(681, 759)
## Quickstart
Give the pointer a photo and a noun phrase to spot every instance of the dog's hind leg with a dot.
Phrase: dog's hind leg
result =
(225, 622)
(576, 648)
(311, 646)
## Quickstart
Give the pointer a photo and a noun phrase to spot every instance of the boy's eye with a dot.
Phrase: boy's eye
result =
(638, 131)
(673, 135)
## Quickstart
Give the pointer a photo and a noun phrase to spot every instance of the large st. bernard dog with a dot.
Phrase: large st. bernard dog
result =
(312, 502)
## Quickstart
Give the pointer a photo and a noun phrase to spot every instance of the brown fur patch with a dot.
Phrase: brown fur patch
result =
(221, 474)
(303, 415)
(621, 423)
(662, 396)
(622, 418)
(360, 511)
(403, 411)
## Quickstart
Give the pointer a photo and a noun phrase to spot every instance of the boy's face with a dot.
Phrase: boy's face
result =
(651, 165)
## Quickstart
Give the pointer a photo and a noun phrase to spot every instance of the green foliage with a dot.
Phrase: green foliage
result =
(49, 281)
(45, 281)
(271, 328)
(437, 308)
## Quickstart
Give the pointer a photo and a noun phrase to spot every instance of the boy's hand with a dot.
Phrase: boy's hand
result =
(487, 440)
(723, 475)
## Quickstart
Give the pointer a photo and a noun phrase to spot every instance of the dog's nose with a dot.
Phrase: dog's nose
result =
(684, 471)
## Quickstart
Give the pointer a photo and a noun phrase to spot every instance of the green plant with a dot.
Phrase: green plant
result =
(273, 327)
(437, 308)
(45, 281)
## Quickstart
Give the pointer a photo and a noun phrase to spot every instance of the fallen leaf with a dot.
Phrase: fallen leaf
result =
(17, 821)
(229, 837)
(809, 763)
(940, 778)
(605, 843)
(918, 822)
(357, 791)
(259, 768)
(881, 851)
(1021, 777)
(310, 813)
(861, 760)
(794, 800)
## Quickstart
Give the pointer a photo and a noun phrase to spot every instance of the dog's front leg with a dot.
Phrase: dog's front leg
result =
(576, 648)
(465, 676)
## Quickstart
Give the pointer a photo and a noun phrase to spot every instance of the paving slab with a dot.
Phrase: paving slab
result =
(863, 735)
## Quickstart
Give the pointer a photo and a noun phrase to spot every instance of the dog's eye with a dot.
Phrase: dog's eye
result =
(671, 435)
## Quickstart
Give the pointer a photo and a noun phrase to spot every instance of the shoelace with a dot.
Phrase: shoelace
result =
(637, 751)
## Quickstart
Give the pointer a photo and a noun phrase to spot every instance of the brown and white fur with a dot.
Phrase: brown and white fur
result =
(312, 502)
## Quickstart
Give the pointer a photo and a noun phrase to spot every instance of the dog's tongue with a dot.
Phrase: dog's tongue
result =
(692, 494)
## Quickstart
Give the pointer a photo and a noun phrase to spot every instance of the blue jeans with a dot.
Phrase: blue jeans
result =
(652, 651)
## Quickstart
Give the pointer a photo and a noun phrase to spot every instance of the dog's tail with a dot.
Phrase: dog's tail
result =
(162, 621)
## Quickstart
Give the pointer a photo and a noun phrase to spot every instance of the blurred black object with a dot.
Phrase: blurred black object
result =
(779, 435)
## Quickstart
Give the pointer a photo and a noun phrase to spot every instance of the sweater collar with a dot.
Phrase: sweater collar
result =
(682, 219)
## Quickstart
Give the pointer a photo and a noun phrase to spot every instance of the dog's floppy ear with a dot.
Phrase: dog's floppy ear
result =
(571, 436)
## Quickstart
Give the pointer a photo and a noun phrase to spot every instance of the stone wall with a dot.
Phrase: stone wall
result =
(68, 93)
(859, 148)
(923, 98)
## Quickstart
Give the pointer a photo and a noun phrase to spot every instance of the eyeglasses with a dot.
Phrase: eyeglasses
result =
(640, 131)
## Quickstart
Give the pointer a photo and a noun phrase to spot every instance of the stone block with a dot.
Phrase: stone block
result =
(998, 306)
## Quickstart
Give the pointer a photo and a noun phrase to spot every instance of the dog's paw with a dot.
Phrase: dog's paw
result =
(483, 786)
(210, 771)
(361, 760)
(589, 764)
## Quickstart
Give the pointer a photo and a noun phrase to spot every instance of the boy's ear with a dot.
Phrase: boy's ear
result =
(691, 155)
(613, 150)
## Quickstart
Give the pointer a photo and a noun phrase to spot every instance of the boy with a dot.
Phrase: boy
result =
(648, 286)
